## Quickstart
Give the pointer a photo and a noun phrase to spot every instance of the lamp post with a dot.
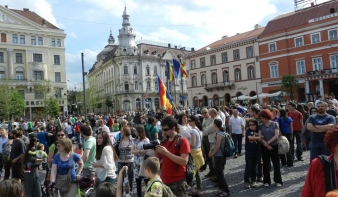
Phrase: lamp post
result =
(84, 74)
(257, 92)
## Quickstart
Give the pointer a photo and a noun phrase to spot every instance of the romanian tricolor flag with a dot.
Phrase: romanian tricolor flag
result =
(165, 98)
(171, 73)
(183, 71)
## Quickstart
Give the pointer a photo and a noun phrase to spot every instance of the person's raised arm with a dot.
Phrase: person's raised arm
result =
(119, 190)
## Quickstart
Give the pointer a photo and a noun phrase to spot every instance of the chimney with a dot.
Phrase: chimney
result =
(169, 45)
(257, 26)
(43, 22)
(193, 49)
(25, 9)
(6, 6)
(175, 47)
(312, 4)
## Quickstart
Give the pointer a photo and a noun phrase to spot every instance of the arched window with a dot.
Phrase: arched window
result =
(156, 85)
(125, 70)
(194, 81)
(155, 70)
(251, 72)
(237, 74)
(136, 85)
(148, 85)
(214, 78)
(203, 80)
(126, 86)
(135, 70)
(147, 70)
(225, 76)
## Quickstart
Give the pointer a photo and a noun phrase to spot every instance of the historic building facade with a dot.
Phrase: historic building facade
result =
(31, 50)
(224, 70)
(126, 72)
(303, 44)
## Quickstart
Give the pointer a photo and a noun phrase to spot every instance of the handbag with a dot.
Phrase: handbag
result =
(63, 182)
(283, 144)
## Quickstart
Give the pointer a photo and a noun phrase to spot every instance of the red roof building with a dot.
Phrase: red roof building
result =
(303, 44)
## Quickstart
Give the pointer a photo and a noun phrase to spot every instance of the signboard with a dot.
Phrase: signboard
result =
(323, 17)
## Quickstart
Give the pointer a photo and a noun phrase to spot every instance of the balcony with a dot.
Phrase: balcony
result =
(322, 74)
(219, 86)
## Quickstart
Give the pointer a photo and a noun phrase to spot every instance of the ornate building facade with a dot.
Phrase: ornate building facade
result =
(126, 73)
(31, 50)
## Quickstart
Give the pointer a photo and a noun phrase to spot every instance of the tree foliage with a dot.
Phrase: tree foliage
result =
(53, 107)
(290, 85)
(11, 101)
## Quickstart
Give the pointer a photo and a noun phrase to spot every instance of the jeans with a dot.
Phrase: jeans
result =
(299, 150)
(272, 155)
(130, 172)
(219, 171)
(237, 138)
(251, 161)
(8, 166)
(317, 149)
(139, 185)
(287, 158)
(78, 137)
(206, 148)
(198, 180)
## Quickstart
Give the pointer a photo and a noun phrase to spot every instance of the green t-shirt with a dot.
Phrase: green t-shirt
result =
(30, 125)
(52, 148)
(91, 145)
(116, 127)
(152, 131)
(72, 120)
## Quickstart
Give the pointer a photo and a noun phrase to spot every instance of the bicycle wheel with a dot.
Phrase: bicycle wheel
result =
(90, 193)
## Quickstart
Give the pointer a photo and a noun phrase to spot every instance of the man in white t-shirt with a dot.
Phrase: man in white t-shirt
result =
(236, 130)
(103, 126)
(334, 101)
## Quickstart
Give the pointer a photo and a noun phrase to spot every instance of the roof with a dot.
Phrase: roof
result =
(302, 17)
(33, 17)
(233, 39)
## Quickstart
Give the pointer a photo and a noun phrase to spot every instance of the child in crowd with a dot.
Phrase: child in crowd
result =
(40, 155)
(151, 171)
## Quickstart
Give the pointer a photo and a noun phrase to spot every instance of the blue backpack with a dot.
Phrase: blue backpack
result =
(228, 149)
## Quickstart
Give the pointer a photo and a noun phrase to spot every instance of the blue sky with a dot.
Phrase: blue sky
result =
(189, 23)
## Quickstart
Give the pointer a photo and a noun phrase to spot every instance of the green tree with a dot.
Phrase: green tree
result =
(11, 101)
(43, 88)
(53, 107)
(290, 85)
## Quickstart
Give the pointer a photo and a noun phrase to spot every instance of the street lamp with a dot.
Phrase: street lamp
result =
(257, 92)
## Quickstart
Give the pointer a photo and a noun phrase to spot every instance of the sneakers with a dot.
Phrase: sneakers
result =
(266, 184)
(278, 185)
(260, 179)
(247, 185)
(254, 184)
(235, 156)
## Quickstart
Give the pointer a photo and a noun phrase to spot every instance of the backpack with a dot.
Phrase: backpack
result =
(228, 149)
(330, 182)
(190, 167)
(77, 127)
(166, 191)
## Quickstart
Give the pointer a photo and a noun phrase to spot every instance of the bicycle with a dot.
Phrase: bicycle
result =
(85, 187)
(50, 192)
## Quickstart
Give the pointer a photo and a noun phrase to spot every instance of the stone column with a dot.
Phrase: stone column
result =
(321, 88)
(307, 90)
(10, 67)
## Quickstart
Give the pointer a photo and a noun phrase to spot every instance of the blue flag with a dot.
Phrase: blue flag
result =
(177, 67)
(167, 70)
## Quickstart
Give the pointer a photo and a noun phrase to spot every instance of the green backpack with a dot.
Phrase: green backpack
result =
(166, 191)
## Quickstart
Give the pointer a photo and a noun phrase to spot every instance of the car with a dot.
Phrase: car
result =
(5, 124)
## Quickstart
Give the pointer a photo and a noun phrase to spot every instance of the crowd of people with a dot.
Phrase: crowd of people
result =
(155, 148)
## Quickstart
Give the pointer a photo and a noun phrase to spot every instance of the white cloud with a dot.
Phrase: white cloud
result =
(114, 8)
(89, 57)
(164, 35)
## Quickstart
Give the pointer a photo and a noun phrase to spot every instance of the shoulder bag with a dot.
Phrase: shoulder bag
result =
(63, 182)
(283, 144)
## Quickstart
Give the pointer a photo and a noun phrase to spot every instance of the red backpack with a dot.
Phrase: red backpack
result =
(77, 127)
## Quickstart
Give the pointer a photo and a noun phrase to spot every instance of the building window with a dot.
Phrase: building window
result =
(272, 47)
(299, 42)
(22, 92)
(225, 76)
(58, 42)
(136, 85)
(148, 85)
(274, 71)
(251, 72)
(317, 63)
(57, 59)
(193, 65)
(212, 60)
(33, 40)
(333, 34)
(18, 58)
(126, 86)
(22, 39)
(19, 75)
(236, 54)
(2, 74)
(3, 37)
(2, 59)
(156, 85)
(38, 75)
(334, 61)
(15, 39)
(38, 94)
(237, 74)
(300, 66)
(147, 71)
(58, 93)
(224, 57)
(315, 38)
(194, 81)
(155, 70)
(202, 61)
(57, 77)
(125, 70)
(37, 57)
(203, 80)
(53, 42)
(135, 70)
(214, 78)
(40, 41)
(249, 52)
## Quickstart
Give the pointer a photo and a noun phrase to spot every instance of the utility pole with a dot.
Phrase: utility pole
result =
(84, 88)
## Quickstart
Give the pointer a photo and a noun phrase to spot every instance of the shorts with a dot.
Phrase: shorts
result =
(179, 188)
(18, 171)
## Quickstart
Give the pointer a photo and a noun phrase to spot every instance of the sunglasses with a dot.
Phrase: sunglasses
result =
(252, 125)
(61, 135)
(165, 129)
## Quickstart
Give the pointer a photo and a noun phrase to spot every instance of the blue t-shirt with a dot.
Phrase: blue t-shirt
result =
(251, 146)
(42, 138)
(285, 125)
(222, 134)
(320, 120)
(63, 166)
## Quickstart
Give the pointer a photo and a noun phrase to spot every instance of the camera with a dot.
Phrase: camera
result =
(151, 145)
